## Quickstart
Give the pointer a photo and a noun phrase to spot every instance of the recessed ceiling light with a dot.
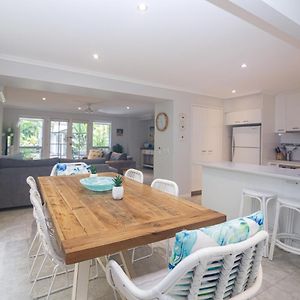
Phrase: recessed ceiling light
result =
(96, 56)
(79, 108)
(44, 99)
(127, 107)
(142, 7)
(244, 66)
(233, 91)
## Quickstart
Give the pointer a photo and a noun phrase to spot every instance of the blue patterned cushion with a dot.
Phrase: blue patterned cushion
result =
(71, 169)
(233, 231)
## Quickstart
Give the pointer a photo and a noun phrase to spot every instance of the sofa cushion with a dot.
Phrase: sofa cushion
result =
(118, 156)
(233, 231)
(95, 153)
(19, 163)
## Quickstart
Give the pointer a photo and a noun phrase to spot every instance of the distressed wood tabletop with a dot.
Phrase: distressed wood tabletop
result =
(91, 224)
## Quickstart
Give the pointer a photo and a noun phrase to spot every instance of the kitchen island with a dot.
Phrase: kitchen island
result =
(223, 183)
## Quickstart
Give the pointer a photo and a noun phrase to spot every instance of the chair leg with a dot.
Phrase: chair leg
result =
(35, 259)
(273, 241)
(52, 281)
(37, 275)
(32, 243)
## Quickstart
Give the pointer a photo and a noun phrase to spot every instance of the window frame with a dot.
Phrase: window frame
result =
(92, 134)
(40, 147)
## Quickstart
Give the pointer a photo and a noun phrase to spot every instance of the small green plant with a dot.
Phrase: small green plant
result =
(118, 181)
(93, 170)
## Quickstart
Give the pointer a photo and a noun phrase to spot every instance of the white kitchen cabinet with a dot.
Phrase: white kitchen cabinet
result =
(292, 113)
(207, 131)
(280, 114)
(244, 117)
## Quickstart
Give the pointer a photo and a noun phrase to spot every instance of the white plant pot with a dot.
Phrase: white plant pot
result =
(118, 192)
(93, 175)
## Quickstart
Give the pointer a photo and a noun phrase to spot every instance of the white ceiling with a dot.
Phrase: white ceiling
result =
(104, 103)
(188, 45)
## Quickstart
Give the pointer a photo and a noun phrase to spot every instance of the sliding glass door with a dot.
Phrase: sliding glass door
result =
(79, 139)
(58, 139)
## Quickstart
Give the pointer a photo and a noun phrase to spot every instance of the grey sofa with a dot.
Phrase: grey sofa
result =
(14, 191)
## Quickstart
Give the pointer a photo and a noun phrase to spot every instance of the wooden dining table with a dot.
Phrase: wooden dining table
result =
(90, 224)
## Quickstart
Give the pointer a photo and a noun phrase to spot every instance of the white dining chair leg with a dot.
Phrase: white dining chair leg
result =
(32, 244)
(35, 259)
(37, 275)
(52, 281)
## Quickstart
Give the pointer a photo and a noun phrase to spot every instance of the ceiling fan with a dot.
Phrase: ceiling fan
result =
(88, 108)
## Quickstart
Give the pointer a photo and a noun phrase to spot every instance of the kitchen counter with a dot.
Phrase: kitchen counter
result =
(224, 182)
(271, 171)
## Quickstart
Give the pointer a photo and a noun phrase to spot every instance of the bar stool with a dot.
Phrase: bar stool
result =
(263, 197)
(292, 205)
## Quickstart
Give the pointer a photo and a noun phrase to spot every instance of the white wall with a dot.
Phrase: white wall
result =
(164, 151)
(174, 159)
(129, 140)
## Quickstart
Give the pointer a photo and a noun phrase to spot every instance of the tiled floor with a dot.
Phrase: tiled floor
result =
(281, 276)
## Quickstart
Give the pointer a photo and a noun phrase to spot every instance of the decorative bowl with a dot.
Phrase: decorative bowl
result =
(98, 184)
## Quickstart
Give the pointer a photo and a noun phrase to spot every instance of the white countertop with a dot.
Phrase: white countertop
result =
(272, 171)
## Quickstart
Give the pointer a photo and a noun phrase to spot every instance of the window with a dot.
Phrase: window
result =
(31, 137)
(101, 135)
(79, 140)
(58, 139)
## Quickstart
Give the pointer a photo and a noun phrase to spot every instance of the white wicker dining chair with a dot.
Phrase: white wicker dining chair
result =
(166, 186)
(50, 247)
(171, 188)
(135, 175)
(36, 242)
(71, 169)
(223, 272)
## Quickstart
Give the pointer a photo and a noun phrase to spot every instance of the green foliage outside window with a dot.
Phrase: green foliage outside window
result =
(101, 135)
(79, 140)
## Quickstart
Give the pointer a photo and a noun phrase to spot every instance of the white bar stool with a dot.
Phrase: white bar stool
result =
(292, 205)
(263, 198)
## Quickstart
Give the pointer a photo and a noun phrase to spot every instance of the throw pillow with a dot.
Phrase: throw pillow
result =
(115, 156)
(95, 153)
(233, 231)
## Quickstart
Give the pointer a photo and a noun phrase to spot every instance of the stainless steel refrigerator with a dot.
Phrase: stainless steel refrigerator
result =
(246, 144)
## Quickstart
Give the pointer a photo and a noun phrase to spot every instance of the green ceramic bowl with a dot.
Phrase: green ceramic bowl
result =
(97, 184)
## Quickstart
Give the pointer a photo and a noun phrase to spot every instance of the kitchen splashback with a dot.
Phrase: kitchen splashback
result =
(292, 138)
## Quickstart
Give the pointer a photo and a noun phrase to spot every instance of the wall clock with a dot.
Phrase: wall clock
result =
(161, 121)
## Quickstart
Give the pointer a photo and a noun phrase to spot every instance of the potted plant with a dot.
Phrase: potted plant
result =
(93, 171)
(118, 190)
(117, 148)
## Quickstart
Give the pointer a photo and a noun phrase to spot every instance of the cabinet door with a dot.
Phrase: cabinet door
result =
(243, 117)
(280, 114)
(293, 113)
(207, 130)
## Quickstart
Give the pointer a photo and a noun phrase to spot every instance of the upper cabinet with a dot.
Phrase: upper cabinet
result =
(287, 113)
(244, 117)
(280, 113)
(293, 114)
